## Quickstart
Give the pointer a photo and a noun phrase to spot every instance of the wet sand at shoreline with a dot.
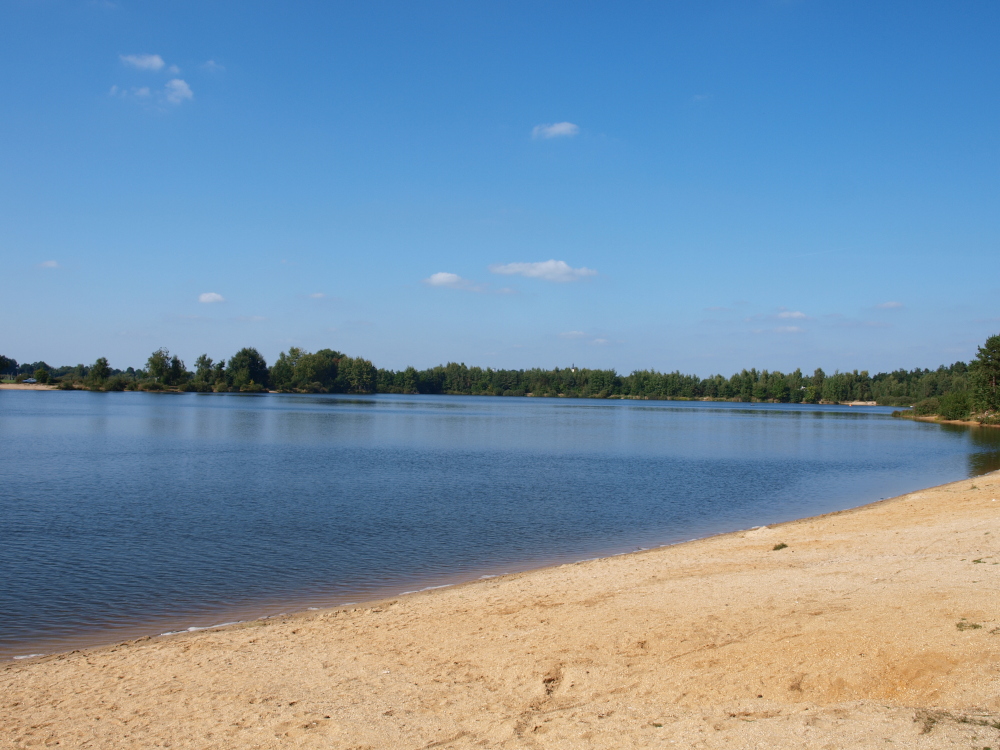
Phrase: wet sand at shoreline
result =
(873, 627)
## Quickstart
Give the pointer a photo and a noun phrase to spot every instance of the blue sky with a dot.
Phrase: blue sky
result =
(701, 186)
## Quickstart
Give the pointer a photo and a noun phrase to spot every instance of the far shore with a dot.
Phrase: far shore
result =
(867, 628)
(80, 387)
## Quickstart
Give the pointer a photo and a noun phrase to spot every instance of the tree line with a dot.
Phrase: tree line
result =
(953, 391)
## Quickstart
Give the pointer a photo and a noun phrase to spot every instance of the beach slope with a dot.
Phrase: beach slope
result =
(875, 627)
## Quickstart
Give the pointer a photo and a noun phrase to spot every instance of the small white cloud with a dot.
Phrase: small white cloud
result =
(178, 91)
(48, 264)
(889, 306)
(573, 335)
(143, 91)
(788, 329)
(549, 270)
(213, 67)
(317, 295)
(600, 342)
(792, 315)
(174, 70)
(555, 130)
(210, 297)
(143, 62)
(113, 91)
(452, 281)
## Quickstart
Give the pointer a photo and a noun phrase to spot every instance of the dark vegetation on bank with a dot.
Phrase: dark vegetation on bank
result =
(957, 391)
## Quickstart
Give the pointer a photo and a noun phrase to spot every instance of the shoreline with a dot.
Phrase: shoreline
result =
(266, 609)
(933, 419)
(874, 623)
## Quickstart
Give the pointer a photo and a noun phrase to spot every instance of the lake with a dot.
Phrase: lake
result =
(124, 514)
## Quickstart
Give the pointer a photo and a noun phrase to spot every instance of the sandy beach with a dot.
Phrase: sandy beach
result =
(874, 627)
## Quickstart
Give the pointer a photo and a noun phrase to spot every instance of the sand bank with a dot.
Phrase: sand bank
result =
(873, 628)
(26, 387)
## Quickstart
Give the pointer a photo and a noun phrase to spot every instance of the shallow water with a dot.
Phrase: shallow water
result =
(128, 513)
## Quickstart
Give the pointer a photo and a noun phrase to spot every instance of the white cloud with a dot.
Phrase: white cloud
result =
(174, 70)
(573, 335)
(889, 306)
(213, 67)
(177, 91)
(452, 281)
(317, 295)
(555, 130)
(143, 91)
(210, 297)
(792, 315)
(600, 342)
(788, 329)
(143, 62)
(48, 264)
(549, 270)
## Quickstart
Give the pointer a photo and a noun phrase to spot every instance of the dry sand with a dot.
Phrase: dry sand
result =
(873, 628)
(26, 387)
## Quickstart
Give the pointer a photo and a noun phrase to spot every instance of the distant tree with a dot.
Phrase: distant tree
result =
(984, 375)
(99, 371)
(158, 364)
(247, 366)
(321, 368)
(6, 363)
(283, 371)
(203, 369)
(219, 375)
(176, 373)
(356, 376)
(42, 375)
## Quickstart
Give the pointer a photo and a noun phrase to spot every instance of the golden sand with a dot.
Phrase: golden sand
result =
(873, 628)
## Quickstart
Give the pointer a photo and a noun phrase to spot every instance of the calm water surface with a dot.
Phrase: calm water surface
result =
(129, 513)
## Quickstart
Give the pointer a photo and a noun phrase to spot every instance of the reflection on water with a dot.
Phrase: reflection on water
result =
(131, 509)
(986, 443)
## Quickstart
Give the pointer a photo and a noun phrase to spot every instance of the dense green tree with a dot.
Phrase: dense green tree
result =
(158, 364)
(176, 373)
(219, 375)
(203, 369)
(248, 366)
(985, 378)
(99, 371)
(283, 370)
(318, 370)
(42, 375)
(356, 375)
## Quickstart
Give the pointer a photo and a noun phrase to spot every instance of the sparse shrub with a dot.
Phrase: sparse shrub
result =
(779, 545)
